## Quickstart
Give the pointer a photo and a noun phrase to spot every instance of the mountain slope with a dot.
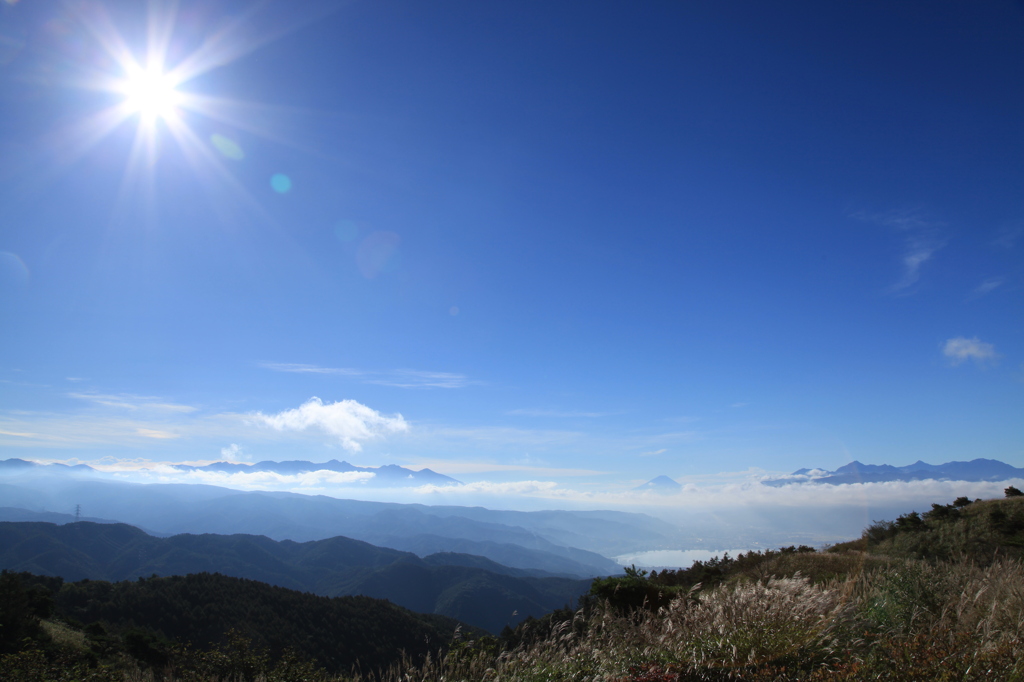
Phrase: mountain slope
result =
(482, 598)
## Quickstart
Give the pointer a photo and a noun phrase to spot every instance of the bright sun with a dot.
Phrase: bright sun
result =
(151, 90)
(151, 93)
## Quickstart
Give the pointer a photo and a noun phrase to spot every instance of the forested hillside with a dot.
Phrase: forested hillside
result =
(151, 618)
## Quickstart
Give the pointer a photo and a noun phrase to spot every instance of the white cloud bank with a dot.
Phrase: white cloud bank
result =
(961, 349)
(308, 481)
(347, 420)
(728, 491)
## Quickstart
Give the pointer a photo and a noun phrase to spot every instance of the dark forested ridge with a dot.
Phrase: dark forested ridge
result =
(471, 589)
(155, 614)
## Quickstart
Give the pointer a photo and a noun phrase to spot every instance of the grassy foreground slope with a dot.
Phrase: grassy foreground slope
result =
(932, 596)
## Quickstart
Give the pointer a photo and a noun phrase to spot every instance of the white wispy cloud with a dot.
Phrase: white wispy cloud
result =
(989, 285)
(501, 436)
(454, 467)
(683, 419)
(19, 434)
(399, 378)
(922, 239)
(232, 453)
(156, 433)
(347, 420)
(961, 349)
(411, 378)
(128, 401)
(63, 431)
(556, 413)
(671, 437)
(1007, 236)
(919, 252)
(296, 368)
(499, 489)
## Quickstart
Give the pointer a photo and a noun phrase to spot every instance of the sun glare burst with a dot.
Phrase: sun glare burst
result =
(151, 93)
(150, 78)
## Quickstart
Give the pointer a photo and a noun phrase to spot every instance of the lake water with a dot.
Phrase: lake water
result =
(673, 558)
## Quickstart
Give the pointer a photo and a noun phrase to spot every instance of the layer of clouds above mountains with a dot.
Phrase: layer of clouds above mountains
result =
(731, 490)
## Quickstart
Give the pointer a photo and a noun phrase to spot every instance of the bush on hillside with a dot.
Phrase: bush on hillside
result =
(633, 591)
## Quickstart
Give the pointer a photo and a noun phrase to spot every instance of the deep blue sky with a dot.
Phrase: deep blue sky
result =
(631, 238)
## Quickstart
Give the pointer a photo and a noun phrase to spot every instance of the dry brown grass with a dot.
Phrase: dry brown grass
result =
(64, 636)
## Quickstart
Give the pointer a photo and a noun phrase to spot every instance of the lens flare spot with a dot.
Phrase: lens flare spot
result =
(227, 147)
(346, 231)
(377, 253)
(453, 311)
(281, 183)
(10, 47)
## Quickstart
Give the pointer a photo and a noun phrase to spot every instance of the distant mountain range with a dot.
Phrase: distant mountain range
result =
(568, 543)
(857, 472)
(471, 589)
(22, 465)
(389, 475)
